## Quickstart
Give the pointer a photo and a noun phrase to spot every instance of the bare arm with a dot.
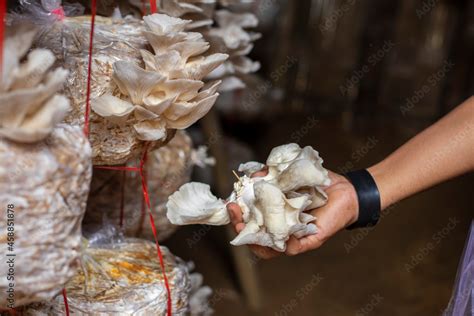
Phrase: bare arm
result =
(441, 152)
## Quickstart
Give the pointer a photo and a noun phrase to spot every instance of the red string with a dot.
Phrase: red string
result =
(143, 8)
(153, 8)
(3, 9)
(66, 305)
(89, 70)
(124, 168)
(142, 217)
(146, 198)
(59, 12)
(10, 311)
(153, 227)
(122, 198)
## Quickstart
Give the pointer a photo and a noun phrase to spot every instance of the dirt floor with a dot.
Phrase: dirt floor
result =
(405, 266)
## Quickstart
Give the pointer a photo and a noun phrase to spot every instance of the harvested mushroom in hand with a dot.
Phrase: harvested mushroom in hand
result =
(273, 205)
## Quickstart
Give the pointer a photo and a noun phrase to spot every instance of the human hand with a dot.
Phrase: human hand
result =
(341, 210)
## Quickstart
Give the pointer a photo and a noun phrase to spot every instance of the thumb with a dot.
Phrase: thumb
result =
(235, 213)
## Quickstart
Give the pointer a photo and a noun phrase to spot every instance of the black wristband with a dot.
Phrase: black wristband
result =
(368, 197)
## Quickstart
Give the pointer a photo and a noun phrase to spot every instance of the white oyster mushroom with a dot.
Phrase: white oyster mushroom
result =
(273, 207)
(316, 195)
(134, 81)
(29, 104)
(199, 11)
(280, 157)
(164, 24)
(251, 167)
(301, 173)
(244, 196)
(15, 47)
(293, 167)
(39, 125)
(194, 203)
(230, 36)
(169, 92)
(112, 108)
(234, 2)
(281, 218)
(232, 27)
(227, 35)
(32, 71)
(150, 130)
(175, 8)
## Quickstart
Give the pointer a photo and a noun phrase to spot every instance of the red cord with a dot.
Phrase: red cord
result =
(122, 198)
(142, 217)
(143, 8)
(153, 228)
(123, 168)
(3, 9)
(66, 305)
(10, 311)
(146, 198)
(89, 70)
(59, 12)
(153, 8)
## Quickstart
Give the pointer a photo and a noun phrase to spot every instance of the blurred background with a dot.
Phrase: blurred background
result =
(355, 79)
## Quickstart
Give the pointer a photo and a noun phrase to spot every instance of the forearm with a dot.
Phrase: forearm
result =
(442, 151)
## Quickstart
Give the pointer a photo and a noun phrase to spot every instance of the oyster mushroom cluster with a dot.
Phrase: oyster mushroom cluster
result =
(198, 11)
(231, 36)
(126, 112)
(44, 175)
(226, 3)
(30, 105)
(273, 206)
(167, 168)
(124, 277)
(168, 93)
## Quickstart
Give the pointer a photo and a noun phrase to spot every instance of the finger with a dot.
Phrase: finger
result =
(264, 252)
(330, 218)
(261, 173)
(295, 246)
(235, 213)
(239, 227)
(332, 174)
